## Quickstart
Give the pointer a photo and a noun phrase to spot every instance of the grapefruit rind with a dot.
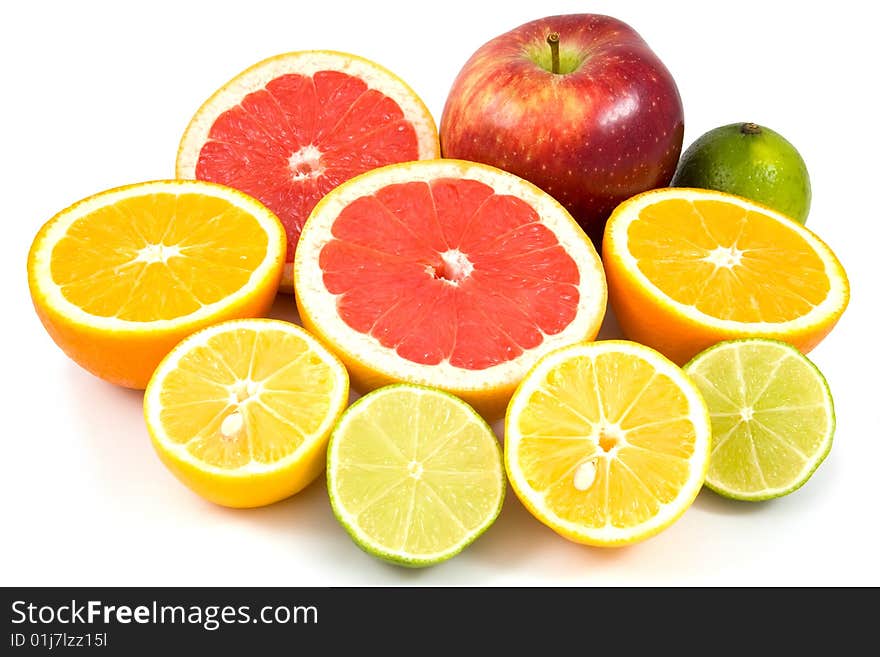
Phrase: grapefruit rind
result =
(609, 535)
(373, 365)
(253, 484)
(362, 538)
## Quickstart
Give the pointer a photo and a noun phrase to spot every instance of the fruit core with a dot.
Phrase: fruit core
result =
(239, 394)
(306, 163)
(157, 253)
(724, 256)
(608, 439)
(243, 389)
(455, 267)
(415, 469)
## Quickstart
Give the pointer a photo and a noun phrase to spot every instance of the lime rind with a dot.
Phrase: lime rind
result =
(727, 426)
(359, 535)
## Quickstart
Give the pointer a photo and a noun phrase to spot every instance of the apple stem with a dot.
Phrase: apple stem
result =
(750, 129)
(553, 42)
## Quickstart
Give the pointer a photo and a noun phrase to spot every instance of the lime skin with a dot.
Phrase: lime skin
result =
(750, 161)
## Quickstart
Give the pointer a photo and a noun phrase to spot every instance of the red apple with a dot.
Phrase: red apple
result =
(604, 124)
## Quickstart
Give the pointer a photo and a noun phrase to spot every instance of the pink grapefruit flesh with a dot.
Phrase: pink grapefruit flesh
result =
(446, 270)
(292, 128)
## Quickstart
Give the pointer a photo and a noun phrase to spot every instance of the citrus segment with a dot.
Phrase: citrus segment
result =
(414, 474)
(240, 412)
(688, 268)
(446, 273)
(120, 277)
(606, 443)
(772, 417)
(292, 127)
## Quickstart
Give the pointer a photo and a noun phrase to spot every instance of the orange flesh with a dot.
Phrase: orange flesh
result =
(727, 262)
(157, 256)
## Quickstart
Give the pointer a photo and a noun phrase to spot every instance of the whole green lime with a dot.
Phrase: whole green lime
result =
(751, 161)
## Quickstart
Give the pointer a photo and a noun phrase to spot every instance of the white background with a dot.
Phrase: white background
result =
(97, 95)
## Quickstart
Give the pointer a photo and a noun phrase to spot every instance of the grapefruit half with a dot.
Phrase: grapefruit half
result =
(292, 127)
(448, 274)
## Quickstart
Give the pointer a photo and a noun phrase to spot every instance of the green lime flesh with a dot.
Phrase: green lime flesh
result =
(772, 417)
(750, 161)
(414, 474)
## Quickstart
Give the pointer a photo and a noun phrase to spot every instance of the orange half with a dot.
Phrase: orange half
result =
(121, 277)
(688, 268)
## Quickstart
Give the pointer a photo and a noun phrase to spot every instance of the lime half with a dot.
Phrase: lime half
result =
(414, 474)
(772, 417)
